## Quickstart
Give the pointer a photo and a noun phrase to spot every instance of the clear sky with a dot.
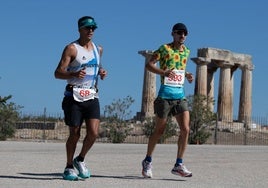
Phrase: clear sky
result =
(34, 32)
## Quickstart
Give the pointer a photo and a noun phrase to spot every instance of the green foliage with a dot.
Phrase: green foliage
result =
(118, 132)
(201, 118)
(4, 100)
(148, 126)
(115, 119)
(8, 117)
(170, 130)
(119, 109)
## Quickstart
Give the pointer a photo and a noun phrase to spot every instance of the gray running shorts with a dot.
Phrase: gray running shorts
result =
(167, 107)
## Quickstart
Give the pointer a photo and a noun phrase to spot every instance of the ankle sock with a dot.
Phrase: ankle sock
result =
(80, 159)
(69, 166)
(178, 161)
(148, 158)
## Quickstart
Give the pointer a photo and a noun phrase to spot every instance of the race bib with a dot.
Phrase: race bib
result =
(83, 93)
(177, 80)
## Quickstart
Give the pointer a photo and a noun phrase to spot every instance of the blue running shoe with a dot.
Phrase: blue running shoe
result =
(69, 174)
(82, 169)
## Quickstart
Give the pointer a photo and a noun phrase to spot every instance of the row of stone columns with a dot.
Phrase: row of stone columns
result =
(208, 61)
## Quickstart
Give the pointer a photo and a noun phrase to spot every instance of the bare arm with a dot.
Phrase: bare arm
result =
(102, 71)
(150, 66)
(68, 55)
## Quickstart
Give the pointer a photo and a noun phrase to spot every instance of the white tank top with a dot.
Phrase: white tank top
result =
(90, 60)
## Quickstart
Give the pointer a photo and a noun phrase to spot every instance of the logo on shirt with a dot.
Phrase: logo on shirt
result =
(84, 58)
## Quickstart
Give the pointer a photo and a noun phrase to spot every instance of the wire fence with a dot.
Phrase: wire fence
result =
(222, 132)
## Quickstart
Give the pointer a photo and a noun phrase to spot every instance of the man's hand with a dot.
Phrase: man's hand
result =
(102, 73)
(81, 74)
(189, 76)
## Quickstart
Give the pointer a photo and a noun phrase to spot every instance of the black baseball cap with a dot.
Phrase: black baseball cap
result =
(180, 26)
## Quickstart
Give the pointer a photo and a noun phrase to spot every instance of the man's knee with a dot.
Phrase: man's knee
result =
(185, 129)
(75, 133)
(94, 135)
(160, 131)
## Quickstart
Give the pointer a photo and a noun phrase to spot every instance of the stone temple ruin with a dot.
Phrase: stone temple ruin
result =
(208, 60)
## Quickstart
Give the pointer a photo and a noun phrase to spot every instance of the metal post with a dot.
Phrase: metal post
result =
(216, 130)
(245, 133)
(44, 125)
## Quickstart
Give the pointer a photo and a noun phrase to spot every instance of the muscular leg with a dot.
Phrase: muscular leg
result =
(92, 126)
(183, 120)
(74, 135)
(158, 132)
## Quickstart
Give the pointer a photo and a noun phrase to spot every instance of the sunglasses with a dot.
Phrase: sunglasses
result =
(91, 27)
(181, 32)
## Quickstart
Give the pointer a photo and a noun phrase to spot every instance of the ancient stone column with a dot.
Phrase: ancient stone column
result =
(149, 88)
(210, 86)
(201, 75)
(245, 102)
(225, 95)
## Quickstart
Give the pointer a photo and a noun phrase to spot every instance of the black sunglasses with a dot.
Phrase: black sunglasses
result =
(180, 32)
(91, 27)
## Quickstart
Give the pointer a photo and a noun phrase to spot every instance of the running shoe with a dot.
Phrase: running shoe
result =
(181, 170)
(82, 169)
(147, 169)
(69, 174)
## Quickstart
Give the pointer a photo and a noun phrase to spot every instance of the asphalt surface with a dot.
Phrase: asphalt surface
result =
(40, 164)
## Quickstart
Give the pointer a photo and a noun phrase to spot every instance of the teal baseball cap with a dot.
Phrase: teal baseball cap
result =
(87, 22)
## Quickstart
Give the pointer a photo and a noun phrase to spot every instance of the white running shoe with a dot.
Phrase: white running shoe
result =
(147, 169)
(82, 169)
(181, 170)
(69, 174)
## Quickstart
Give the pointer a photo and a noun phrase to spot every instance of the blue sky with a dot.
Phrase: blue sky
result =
(34, 33)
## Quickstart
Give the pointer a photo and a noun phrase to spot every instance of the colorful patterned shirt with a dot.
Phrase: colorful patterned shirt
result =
(170, 58)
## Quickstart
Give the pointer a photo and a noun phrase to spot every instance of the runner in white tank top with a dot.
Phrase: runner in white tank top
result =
(80, 66)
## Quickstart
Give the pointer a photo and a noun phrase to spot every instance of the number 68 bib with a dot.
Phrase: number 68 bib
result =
(82, 94)
(177, 80)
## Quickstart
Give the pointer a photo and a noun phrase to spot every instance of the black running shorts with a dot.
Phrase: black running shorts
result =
(76, 112)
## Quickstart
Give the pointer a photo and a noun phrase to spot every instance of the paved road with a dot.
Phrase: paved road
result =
(40, 165)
